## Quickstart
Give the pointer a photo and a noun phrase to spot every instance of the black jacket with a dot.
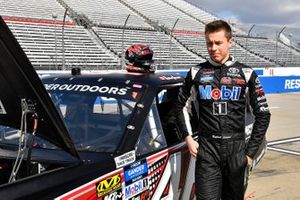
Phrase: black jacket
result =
(221, 94)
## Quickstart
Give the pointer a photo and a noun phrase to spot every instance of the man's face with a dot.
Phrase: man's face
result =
(218, 46)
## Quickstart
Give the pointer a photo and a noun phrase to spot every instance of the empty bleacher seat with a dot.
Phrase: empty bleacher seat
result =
(167, 53)
(107, 13)
(43, 45)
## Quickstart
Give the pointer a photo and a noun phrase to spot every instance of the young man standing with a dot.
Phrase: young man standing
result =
(220, 90)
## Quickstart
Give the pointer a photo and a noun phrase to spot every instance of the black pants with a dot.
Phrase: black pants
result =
(220, 169)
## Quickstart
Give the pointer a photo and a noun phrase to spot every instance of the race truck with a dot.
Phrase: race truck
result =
(88, 135)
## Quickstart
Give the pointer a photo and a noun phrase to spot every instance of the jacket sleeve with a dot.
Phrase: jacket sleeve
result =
(183, 105)
(261, 113)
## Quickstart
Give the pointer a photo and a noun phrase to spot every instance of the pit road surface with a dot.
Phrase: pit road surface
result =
(277, 176)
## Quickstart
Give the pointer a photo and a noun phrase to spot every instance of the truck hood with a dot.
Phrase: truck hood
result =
(20, 86)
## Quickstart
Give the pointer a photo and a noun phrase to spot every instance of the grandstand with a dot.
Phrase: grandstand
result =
(39, 41)
(167, 52)
(61, 34)
(41, 9)
(165, 15)
(191, 10)
(270, 49)
(107, 13)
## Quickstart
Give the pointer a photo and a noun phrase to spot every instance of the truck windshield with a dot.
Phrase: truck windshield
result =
(96, 115)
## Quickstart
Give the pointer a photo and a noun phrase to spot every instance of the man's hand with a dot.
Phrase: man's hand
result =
(249, 160)
(249, 165)
(192, 145)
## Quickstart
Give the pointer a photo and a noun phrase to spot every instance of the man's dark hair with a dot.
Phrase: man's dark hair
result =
(218, 25)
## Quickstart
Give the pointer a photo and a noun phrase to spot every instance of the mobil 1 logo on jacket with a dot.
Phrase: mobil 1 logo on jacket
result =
(207, 92)
(225, 94)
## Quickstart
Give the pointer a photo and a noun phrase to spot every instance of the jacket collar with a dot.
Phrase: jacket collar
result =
(228, 63)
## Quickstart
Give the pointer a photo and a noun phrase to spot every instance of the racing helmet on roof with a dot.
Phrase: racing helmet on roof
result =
(139, 58)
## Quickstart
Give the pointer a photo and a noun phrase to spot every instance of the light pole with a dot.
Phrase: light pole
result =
(63, 40)
(171, 36)
(277, 38)
(54, 16)
(123, 50)
(247, 38)
(290, 46)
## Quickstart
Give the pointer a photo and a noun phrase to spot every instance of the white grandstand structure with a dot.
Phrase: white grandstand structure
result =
(93, 34)
(167, 52)
(107, 13)
(39, 43)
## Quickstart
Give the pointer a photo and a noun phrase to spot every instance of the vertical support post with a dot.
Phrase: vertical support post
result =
(123, 50)
(248, 35)
(277, 38)
(54, 16)
(290, 46)
(171, 36)
(63, 41)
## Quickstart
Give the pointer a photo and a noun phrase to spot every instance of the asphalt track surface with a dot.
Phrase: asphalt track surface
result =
(277, 176)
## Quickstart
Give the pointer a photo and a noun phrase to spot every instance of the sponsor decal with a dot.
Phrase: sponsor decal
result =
(116, 195)
(257, 80)
(258, 86)
(137, 85)
(165, 78)
(208, 72)
(86, 88)
(233, 75)
(257, 83)
(292, 84)
(142, 196)
(248, 130)
(220, 108)
(125, 159)
(262, 103)
(226, 80)
(2, 109)
(89, 190)
(264, 109)
(260, 91)
(224, 94)
(206, 78)
(239, 81)
(261, 98)
(135, 171)
(233, 70)
(108, 185)
(136, 188)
